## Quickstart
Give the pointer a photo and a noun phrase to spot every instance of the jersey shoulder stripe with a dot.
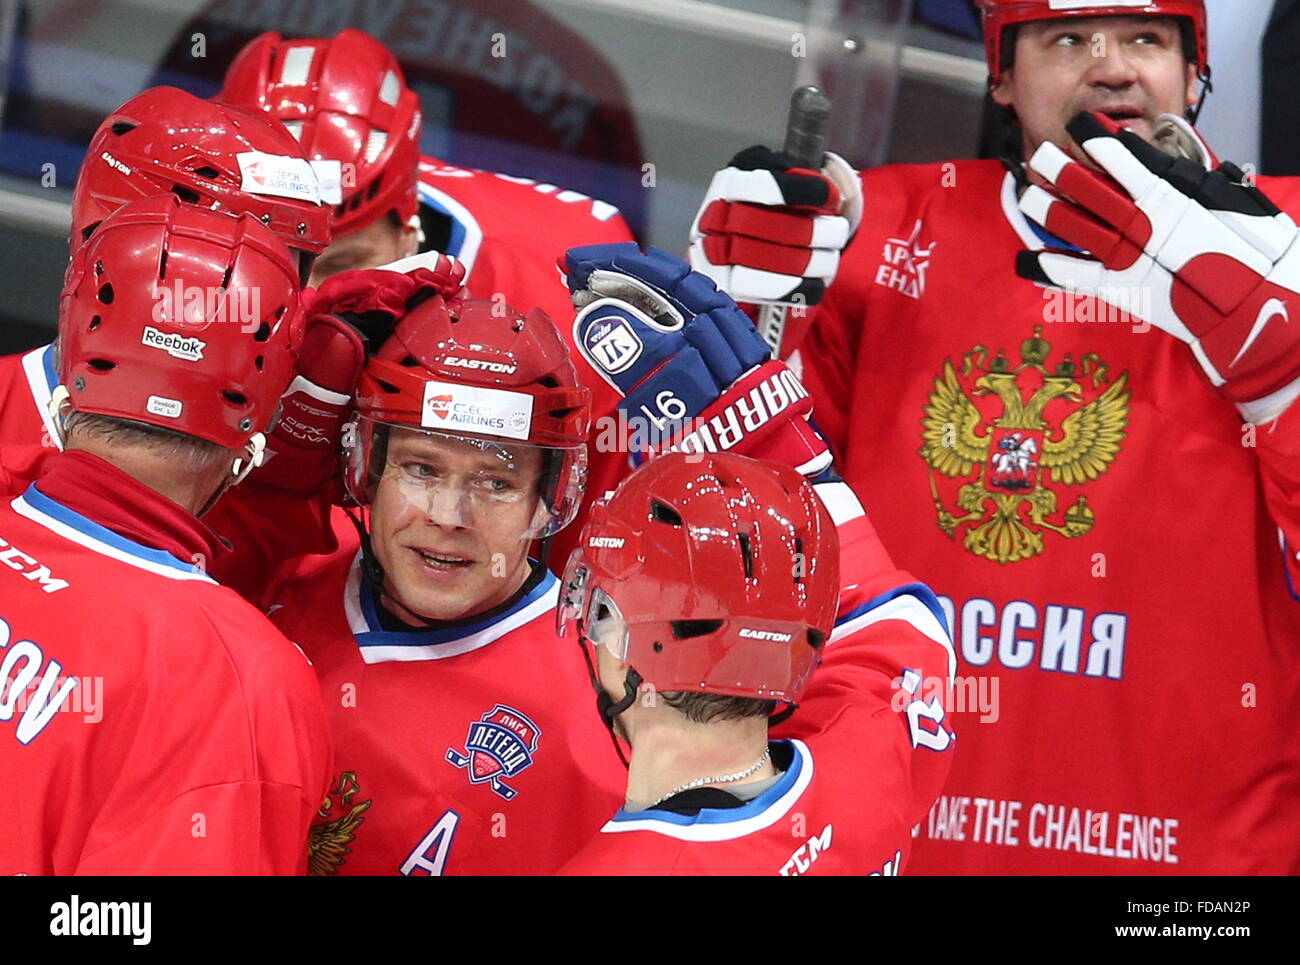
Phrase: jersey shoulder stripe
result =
(54, 516)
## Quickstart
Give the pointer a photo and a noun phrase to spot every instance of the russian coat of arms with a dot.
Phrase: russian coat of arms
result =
(1019, 440)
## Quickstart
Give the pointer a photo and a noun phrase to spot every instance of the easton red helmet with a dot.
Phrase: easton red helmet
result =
(475, 369)
(346, 100)
(997, 15)
(182, 318)
(717, 574)
(165, 141)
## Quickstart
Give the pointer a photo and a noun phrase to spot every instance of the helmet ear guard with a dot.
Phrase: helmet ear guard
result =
(255, 455)
(60, 398)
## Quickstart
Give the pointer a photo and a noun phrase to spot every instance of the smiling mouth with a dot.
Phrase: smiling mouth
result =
(442, 561)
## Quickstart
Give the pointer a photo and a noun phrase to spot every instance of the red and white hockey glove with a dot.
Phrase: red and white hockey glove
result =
(1202, 255)
(348, 316)
(694, 374)
(771, 233)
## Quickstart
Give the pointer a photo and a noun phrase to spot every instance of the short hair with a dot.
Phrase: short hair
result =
(702, 708)
(191, 453)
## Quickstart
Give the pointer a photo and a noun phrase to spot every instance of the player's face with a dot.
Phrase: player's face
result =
(378, 243)
(1131, 68)
(451, 523)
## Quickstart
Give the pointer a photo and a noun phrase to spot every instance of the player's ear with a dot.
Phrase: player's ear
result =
(1193, 84)
(1001, 91)
(410, 241)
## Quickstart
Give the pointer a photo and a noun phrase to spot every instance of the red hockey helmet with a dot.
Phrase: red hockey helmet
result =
(346, 100)
(717, 574)
(998, 15)
(182, 318)
(213, 155)
(476, 370)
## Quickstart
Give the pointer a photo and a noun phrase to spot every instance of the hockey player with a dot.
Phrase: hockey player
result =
(460, 721)
(704, 593)
(165, 141)
(1082, 579)
(346, 100)
(159, 723)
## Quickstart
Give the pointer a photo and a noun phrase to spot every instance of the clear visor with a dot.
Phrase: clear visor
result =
(465, 481)
(590, 611)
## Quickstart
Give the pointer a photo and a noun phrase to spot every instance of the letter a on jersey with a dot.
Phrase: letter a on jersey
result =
(500, 744)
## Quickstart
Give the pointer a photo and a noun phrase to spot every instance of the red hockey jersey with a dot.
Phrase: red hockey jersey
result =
(871, 748)
(1103, 531)
(474, 749)
(157, 723)
(26, 381)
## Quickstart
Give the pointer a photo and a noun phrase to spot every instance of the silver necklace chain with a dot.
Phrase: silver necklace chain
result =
(721, 779)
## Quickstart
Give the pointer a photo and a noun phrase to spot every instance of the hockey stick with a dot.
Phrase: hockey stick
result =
(805, 143)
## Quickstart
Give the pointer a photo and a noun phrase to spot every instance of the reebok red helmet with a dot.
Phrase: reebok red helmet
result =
(346, 100)
(475, 369)
(167, 141)
(717, 574)
(997, 15)
(182, 318)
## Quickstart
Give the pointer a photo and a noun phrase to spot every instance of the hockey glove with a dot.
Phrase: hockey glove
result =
(348, 316)
(771, 233)
(1202, 255)
(693, 373)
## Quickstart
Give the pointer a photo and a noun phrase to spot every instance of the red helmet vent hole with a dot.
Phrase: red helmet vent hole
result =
(185, 194)
(208, 172)
(102, 365)
(388, 387)
(235, 398)
(686, 629)
(409, 362)
(661, 512)
(746, 554)
(549, 381)
(122, 127)
(95, 323)
(260, 362)
(263, 332)
(106, 294)
(816, 638)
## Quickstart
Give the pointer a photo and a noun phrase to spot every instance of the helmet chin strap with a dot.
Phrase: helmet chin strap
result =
(1207, 88)
(255, 455)
(607, 706)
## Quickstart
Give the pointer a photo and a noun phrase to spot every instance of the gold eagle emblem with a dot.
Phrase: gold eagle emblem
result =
(1013, 433)
(328, 839)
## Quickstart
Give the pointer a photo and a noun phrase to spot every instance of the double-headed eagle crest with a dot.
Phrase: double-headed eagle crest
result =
(328, 840)
(1062, 425)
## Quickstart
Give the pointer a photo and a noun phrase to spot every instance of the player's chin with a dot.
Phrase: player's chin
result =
(442, 595)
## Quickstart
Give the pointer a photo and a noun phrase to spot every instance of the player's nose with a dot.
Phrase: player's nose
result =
(447, 506)
(1110, 64)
